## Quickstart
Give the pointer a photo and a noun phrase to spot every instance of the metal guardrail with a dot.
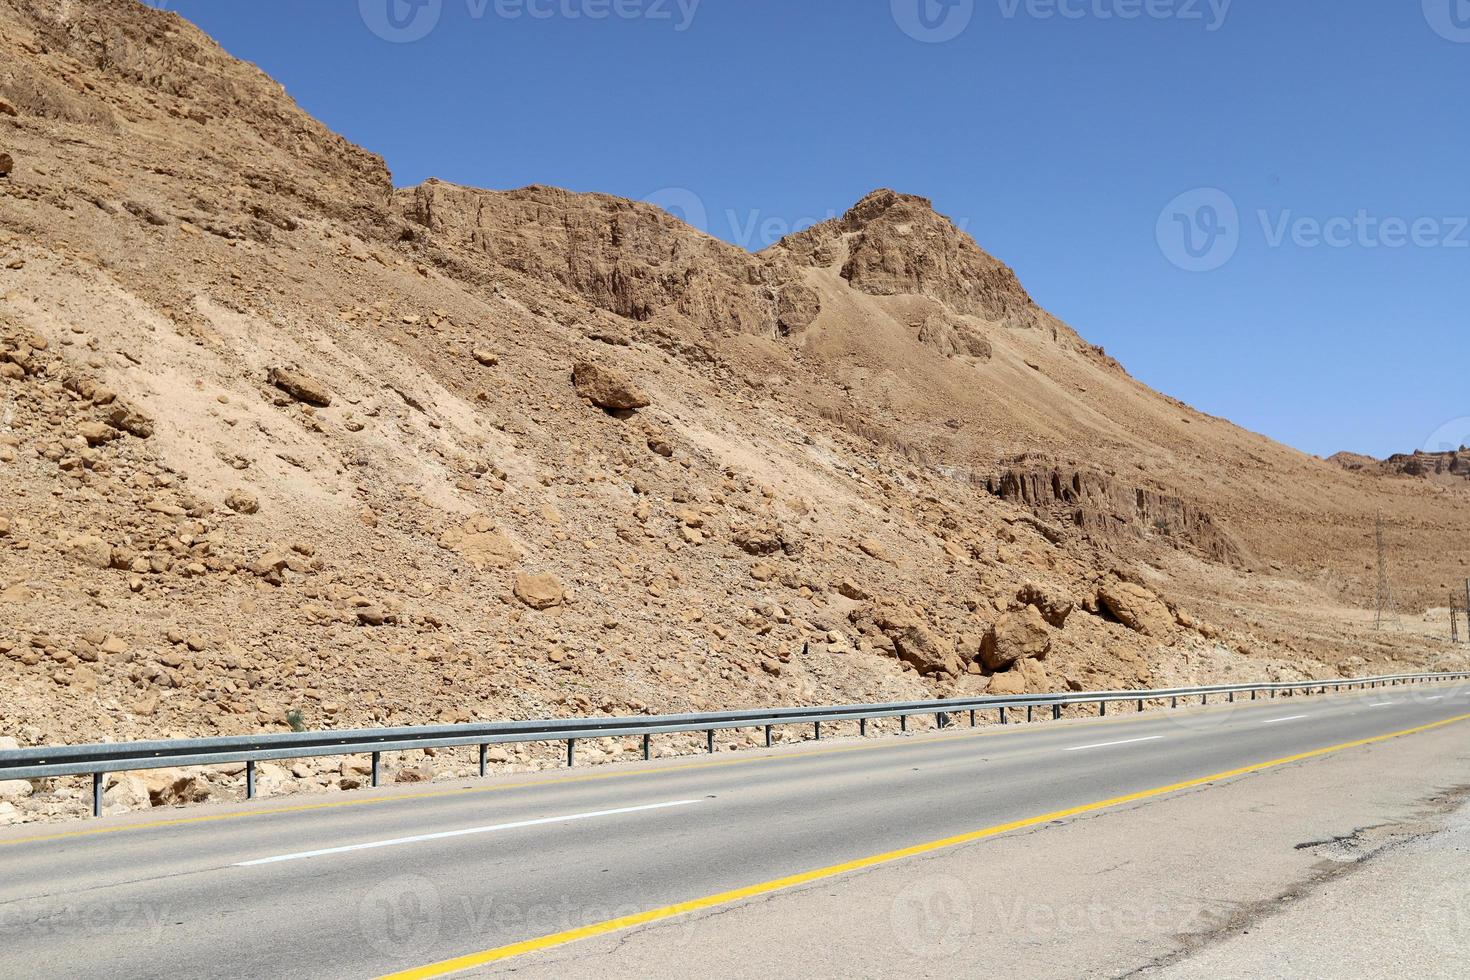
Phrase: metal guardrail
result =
(101, 759)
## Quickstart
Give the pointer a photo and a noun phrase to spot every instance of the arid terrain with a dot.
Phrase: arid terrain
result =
(280, 442)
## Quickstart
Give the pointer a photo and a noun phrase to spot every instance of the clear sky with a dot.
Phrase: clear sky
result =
(1259, 206)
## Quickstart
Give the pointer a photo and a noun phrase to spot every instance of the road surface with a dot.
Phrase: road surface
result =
(713, 865)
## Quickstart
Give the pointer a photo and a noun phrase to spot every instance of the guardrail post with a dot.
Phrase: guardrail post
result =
(903, 723)
(97, 780)
(249, 779)
(647, 747)
(1056, 712)
(709, 740)
(1174, 701)
(1204, 699)
(817, 730)
(1003, 719)
(768, 734)
(571, 752)
(862, 726)
(1028, 714)
(1253, 694)
(1231, 699)
(1102, 709)
(377, 767)
(484, 759)
(1140, 705)
(972, 717)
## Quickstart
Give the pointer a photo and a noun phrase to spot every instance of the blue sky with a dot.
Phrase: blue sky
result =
(1259, 206)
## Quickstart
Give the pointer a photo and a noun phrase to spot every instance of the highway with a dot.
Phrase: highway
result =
(488, 875)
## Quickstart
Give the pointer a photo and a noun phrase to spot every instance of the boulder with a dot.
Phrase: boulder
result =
(539, 591)
(175, 787)
(300, 386)
(1017, 635)
(131, 421)
(607, 388)
(1136, 608)
(758, 539)
(242, 502)
(90, 550)
(481, 543)
(96, 433)
(15, 789)
(1010, 683)
(1054, 606)
(918, 645)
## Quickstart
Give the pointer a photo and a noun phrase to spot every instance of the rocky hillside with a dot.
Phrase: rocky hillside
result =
(1450, 468)
(280, 444)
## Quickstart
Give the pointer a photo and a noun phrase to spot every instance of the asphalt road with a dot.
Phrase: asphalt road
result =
(368, 884)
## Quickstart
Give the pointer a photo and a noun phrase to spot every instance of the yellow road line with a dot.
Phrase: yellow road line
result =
(489, 956)
(881, 743)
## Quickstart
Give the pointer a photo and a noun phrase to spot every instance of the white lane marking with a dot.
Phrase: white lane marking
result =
(1435, 698)
(1381, 704)
(1273, 721)
(1103, 745)
(462, 833)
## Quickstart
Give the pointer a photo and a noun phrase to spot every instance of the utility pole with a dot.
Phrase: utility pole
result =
(1386, 607)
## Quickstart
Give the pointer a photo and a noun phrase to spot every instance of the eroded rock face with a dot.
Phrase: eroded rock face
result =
(897, 244)
(797, 308)
(1105, 505)
(626, 257)
(1136, 608)
(608, 388)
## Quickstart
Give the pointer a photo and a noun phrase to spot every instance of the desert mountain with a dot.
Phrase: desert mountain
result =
(280, 443)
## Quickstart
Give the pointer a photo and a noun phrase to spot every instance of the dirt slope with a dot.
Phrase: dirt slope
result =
(278, 441)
